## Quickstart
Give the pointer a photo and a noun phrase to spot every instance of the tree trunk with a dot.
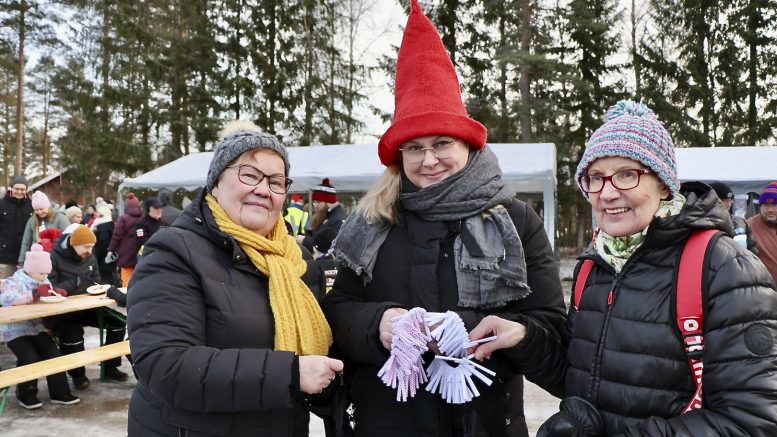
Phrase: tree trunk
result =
(46, 151)
(526, 131)
(752, 110)
(106, 69)
(637, 73)
(20, 93)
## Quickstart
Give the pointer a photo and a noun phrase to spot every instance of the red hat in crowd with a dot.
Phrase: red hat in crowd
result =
(427, 99)
(132, 199)
(296, 197)
(325, 192)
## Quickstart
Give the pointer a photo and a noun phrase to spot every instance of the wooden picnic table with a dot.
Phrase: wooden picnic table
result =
(18, 313)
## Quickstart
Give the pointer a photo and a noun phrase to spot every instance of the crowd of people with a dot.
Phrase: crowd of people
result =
(247, 311)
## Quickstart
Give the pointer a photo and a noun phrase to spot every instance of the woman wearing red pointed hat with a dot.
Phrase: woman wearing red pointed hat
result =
(441, 231)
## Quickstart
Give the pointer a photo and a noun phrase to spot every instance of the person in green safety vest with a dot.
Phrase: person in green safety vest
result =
(296, 216)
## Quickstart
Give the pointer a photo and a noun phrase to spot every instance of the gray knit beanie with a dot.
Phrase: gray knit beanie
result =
(18, 180)
(237, 138)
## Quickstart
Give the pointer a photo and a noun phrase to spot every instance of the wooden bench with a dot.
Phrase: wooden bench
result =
(11, 377)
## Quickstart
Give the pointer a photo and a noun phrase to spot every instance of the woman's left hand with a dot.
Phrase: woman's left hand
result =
(508, 334)
(316, 372)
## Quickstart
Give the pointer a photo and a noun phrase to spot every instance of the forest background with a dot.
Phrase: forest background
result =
(107, 89)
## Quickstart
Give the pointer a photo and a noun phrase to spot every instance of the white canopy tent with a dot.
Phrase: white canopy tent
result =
(527, 168)
(744, 169)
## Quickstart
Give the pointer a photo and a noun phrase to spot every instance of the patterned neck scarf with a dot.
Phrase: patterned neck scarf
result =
(615, 251)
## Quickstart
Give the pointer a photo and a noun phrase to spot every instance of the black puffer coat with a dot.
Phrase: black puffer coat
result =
(418, 255)
(202, 335)
(14, 214)
(330, 226)
(627, 358)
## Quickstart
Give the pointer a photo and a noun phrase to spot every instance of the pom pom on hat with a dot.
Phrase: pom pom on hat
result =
(631, 130)
(40, 200)
(37, 260)
(769, 194)
(325, 192)
(427, 96)
(132, 200)
(82, 235)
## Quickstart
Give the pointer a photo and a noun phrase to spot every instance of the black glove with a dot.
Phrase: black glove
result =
(577, 418)
(118, 296)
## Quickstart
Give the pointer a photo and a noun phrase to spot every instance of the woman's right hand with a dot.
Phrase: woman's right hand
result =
(386, 327)
(507, 332)
(316, 372)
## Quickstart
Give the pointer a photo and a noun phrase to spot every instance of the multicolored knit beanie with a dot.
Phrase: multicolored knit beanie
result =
(631, 130)
(325, 192)
(769, 194)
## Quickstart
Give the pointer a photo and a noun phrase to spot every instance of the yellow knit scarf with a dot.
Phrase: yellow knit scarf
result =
(300, 325)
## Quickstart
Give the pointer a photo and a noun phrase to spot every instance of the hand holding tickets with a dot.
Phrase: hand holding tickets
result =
(508, 334)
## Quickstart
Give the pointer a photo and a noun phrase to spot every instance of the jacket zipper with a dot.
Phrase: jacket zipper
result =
(593, 388)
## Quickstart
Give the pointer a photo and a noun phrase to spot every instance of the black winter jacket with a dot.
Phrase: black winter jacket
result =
(14, 214)
(419, 255)
(330, 226)
(627, 357)
(69, 271)
(202, 334)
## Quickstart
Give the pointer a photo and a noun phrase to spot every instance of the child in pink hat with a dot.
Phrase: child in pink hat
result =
(29, 340)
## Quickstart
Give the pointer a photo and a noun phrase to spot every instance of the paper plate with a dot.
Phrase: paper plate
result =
(98, 289)
(52, 298)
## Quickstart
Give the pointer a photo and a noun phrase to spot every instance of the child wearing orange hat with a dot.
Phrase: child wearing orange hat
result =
(29, 340)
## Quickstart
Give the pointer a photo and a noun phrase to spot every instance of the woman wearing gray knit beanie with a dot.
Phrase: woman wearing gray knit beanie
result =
(641, 344)
(227, 338)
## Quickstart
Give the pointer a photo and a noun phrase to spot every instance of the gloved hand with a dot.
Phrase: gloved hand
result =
(41, 290)
(118, 296)
(577, 418)
(61, 291)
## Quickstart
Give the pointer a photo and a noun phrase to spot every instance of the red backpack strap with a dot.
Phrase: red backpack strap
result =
(582, 277)
(690, 306)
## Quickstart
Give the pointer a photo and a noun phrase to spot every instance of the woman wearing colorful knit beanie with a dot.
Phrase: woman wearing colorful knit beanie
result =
(441, 231)
(226, 336)
(627, 370)
(43, 217)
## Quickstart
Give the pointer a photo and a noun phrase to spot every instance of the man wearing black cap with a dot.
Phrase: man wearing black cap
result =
(742, 234)
(15, 211)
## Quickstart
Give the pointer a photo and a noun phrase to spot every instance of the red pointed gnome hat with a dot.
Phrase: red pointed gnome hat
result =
(427, 99)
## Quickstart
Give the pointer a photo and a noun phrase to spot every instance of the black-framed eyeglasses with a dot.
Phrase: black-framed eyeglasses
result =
(251, 176)
(441, 149)
(622, 180)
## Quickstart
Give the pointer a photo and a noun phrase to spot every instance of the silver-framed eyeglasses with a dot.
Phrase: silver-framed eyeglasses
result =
(622, 180)
(251, 176)
(441, 149)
